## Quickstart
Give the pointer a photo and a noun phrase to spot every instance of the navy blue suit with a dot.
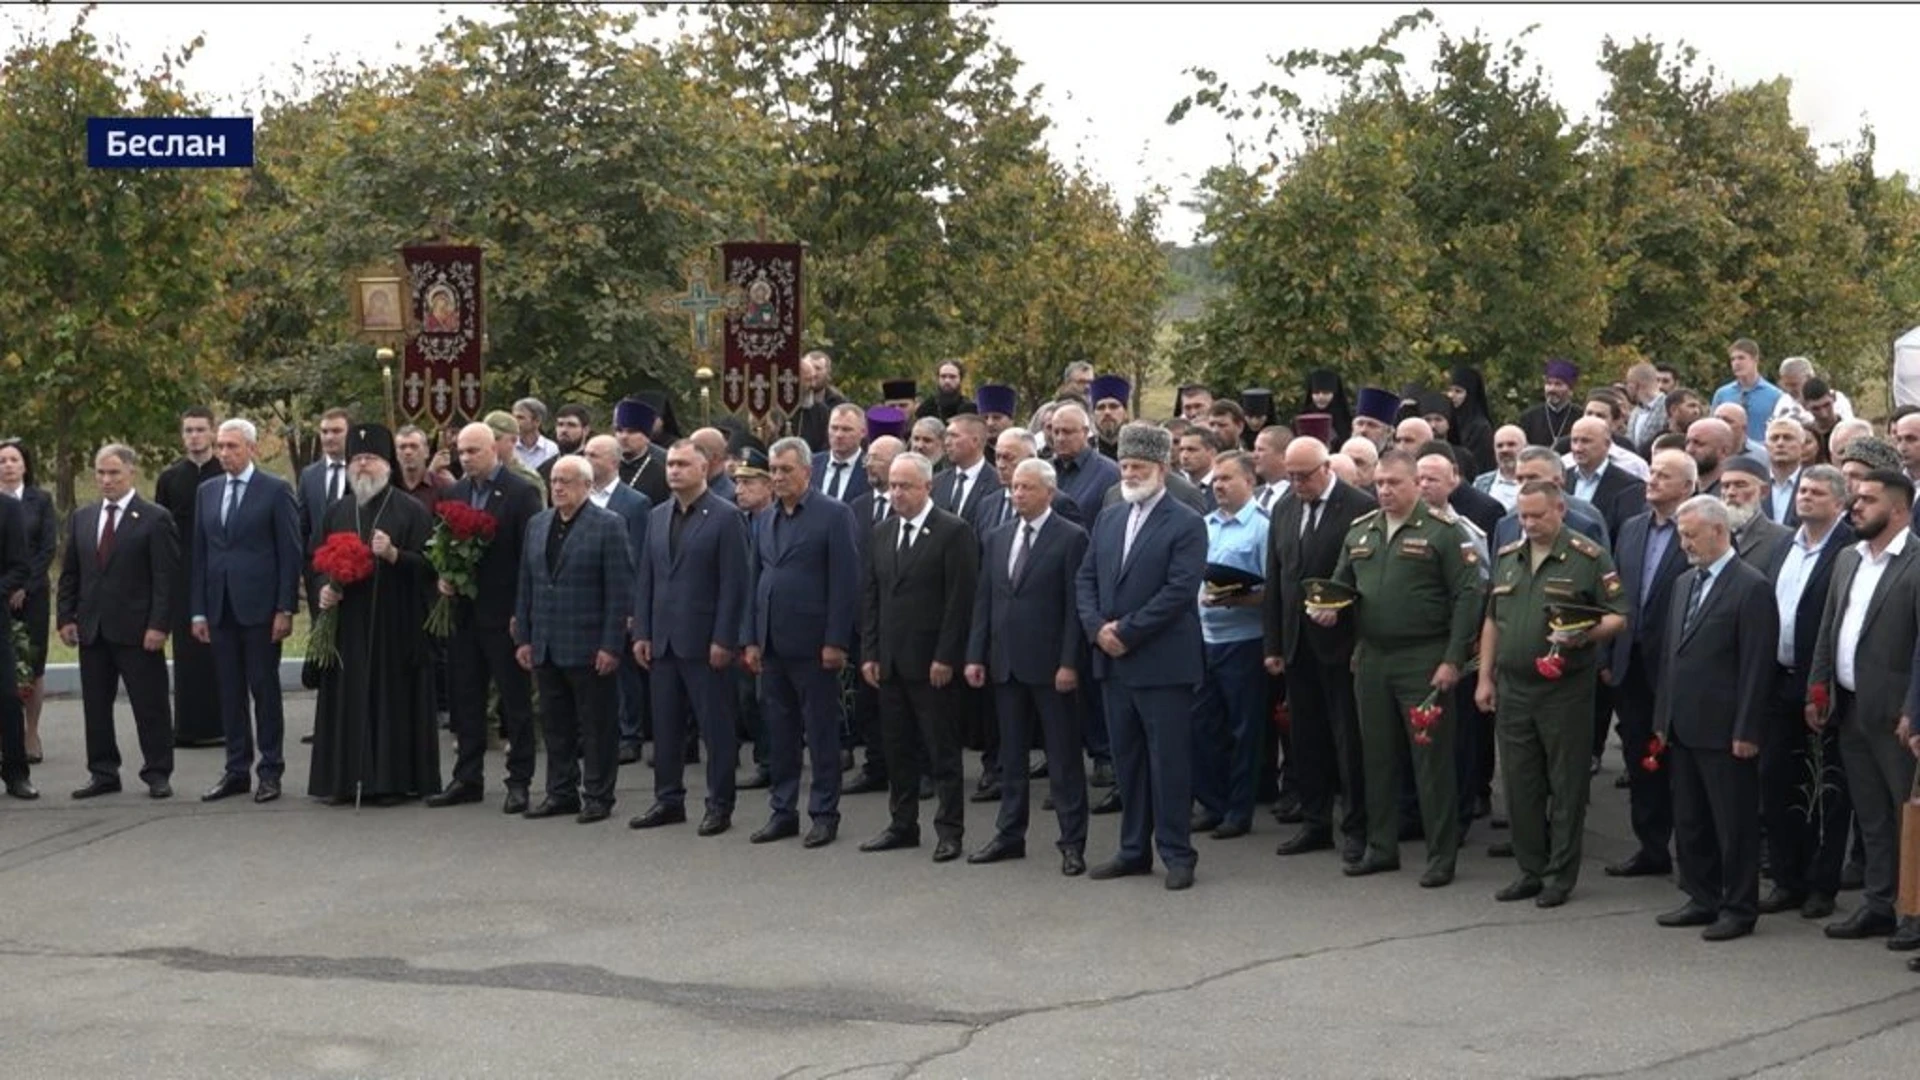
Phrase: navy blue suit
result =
(1635, 670)
(1024, 632)
(1153, 594)
(310, 499)
(806, 594)
(855, 484)
(246, 569)
(634, 507)
(685, 603)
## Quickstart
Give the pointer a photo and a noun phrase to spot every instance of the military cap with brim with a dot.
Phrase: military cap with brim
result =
(1326, 594)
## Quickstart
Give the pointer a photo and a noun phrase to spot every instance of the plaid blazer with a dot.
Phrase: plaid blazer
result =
(582, 606)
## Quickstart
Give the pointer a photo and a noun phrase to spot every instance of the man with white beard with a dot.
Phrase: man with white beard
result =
(1743, 483)
(374, 734)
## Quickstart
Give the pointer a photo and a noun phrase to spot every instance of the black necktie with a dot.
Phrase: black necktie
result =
(839, 479)
(1312, 519)
(879, 509)
(1020, 556)
(333, 482)
(959, 490)
(906, 535)
(1694, 594)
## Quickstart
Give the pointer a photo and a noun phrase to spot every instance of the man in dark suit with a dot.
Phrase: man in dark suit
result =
(839, 471)
(1865, 658)
(322, 483)
(972, 481)
(630, 684)
(869, 510)
(806, 593)
(1304, 542)
(1026, 641)
(1010, 448)
(570, 630)
(1723, 634)
(481, 649)
(116, 583)
(1743, 485)
(1137, 593)
(1648, 556)
(246, 564)
(1592, 476)
(689, 602)
(1786, 443)
(1806, 824)
(918, 599)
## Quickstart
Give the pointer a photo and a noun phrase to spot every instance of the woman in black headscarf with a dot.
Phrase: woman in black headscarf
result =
(1472, 428)
(1327, 394)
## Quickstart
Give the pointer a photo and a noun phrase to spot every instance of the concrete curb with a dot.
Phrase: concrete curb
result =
(63, 680)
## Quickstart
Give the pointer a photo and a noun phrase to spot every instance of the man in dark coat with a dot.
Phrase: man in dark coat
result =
(196, 690)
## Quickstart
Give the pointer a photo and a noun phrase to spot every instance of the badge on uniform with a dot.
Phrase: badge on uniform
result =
(1610, 585)
(1471, 553)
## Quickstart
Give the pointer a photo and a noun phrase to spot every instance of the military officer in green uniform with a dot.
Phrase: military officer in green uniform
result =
(1419, 605)
(1555, 597)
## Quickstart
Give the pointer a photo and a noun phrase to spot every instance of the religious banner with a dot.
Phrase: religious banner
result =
(442, 370)
(760, 373)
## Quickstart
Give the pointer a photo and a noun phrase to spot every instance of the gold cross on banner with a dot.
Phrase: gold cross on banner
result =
(699, 304)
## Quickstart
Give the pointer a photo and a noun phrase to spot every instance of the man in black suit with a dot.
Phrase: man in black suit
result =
(1026, 641)
(1865, 659)
(1309, 524)
(116, 585)
(1616, 493)
(869, 510)
(919, 588)
(481, 649)
(322, 483)
(839, 471)
(1806, 823)
(1648, 555)
(246, 565)
(972, 481)
(1723, 634)
(689, 604)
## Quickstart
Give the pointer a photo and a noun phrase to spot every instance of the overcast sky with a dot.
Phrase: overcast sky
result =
(1111, 73)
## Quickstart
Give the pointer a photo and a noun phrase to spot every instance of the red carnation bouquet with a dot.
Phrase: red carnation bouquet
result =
(459, 540)
(343, 560)
(1424, 717)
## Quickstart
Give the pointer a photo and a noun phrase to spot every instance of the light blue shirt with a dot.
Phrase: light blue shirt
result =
(1783, 493)
(1759, 400)
(1238, 541)
(1794, 572)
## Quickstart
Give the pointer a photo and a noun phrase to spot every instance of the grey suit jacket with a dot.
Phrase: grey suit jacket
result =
(1883, 661)
(1760, 542)
(582, 606)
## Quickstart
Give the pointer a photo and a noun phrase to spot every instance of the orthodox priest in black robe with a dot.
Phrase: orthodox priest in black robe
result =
(196, 693)
(373, 732)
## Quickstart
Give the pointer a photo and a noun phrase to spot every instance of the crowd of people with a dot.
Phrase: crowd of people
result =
(1355, 612)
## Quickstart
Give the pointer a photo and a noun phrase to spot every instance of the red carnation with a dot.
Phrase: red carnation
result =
(344, 559)
(459, 541)
(1819, 695)
(1656, 747)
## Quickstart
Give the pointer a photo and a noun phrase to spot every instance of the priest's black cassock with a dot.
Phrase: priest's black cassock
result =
(196, 693)
(374, 717)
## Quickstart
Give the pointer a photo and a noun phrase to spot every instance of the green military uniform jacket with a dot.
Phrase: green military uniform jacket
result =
(1420, 585)
(1575, 571)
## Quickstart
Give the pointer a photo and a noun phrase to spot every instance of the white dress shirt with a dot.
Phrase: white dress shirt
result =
(919, 523)
(1865, 580)
(1141, 511)
(1019, 529)
(1792, 582)
(965, 480)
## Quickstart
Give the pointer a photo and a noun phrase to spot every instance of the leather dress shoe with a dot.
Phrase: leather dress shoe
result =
(775, 829)
(1039, 771)
(1287, 809)
(629, 754)
(926, 788)
(1550, 897)
(456, 793)
(96, 787)
(1906, 936)
(1523, 889)
(1102, 774)
(1500, 849)
(1863, 923)
(1108, 805)
(1203, 823)
(159, 789)
(821, 834)
(659, 814)
(267, 791)
(1437, 878)
(891, 839)
(1072, 863)
(864, 783)
(946, 851)
(1230, 830)
(1687, 914)
(592, 812)
(714, 823)
(1639, 864)
(998, 850)
(552, 808)
(23, 789)
(1114, 868)
(228, 786)
(307, 739)
(516, 801)
(1726, 928)
(1304, 841)
(990, 793)
(1818, 906)
(1369, 864)
(759, 779)
(1353, 849)
(1179, 878)
(1779, 899)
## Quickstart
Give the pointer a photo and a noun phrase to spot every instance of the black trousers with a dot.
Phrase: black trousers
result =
(1803, 793)
(911, 710)
(1716, 829)
(580, 715)
(1650, 794)
(475, 657)
(1022, 709)
(103, 666)
(1326, 746)
(13, 717)
(686, 688)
